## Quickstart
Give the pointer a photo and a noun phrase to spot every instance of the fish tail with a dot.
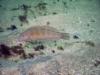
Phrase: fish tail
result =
(65, 36)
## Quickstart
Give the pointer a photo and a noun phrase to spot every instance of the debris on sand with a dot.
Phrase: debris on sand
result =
(7, 52)
(76, 37)
(39, 47)
(53, 51)
(4, 51)
(1, 29)
(41, 6)
(12, 27)
(97, 63)
(90, 43)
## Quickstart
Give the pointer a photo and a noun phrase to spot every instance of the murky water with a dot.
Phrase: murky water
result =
(79, 18)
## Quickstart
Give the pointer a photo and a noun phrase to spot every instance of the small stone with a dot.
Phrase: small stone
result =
(92, 20)
(45, 14)
(54, 13)
(16, 61)
(60, 48)
(75, 37)
(48, 23)
(13, 27)
(91, 31)
(88, 25)
(31, 55)
(42, 53)
(97, 63)
(53, 51)
(23, 18)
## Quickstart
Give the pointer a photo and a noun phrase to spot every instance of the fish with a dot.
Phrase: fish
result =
(42, 33)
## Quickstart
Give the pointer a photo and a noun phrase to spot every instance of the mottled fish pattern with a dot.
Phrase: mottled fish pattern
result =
(42, 33)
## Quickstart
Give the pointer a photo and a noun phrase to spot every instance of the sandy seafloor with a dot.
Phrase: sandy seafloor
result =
(77, 17)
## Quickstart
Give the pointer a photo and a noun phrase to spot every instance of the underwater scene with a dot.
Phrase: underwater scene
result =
(49, 37)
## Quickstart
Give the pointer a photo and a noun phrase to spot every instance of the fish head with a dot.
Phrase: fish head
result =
(23, 38)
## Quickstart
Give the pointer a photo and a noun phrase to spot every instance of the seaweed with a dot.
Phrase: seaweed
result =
(31, 55)
(23, 18)
(0, 5)
(41, 6)
(58, 0)
(17, 49)
(13, 9)
(27, 8)
(13, 17)
(4, 51)
(35, 42)
(10, 51)
(65, 4)
(70, 0)
(90, 43)
(24, 7)
(91, 31)
(54, 2)
(24, 56)
(1, 29)
(39, 47)
(55, 43)
(45, 14)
